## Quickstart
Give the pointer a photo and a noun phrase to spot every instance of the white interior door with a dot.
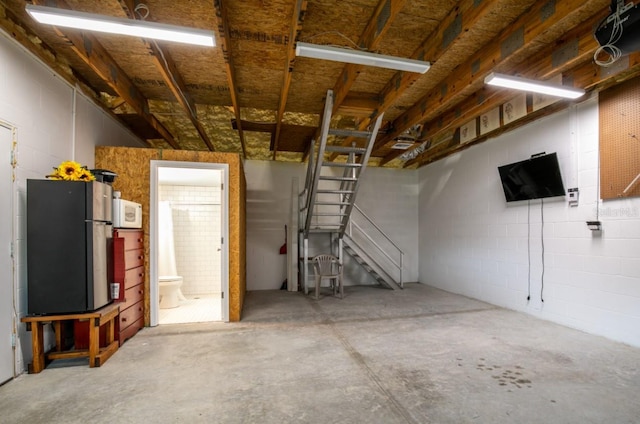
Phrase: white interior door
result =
(6, 262)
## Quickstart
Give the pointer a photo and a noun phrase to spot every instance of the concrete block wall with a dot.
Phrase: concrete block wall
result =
(388, 196)
(474, 243)
(53, 122)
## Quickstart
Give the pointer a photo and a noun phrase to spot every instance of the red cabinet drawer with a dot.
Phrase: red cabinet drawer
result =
(131, 315)
(133, 239)
(133, 277)
(133, 258)
(132, 295)
(131, 330)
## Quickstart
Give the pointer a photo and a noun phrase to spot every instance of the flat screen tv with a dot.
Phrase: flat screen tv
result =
(534, 178)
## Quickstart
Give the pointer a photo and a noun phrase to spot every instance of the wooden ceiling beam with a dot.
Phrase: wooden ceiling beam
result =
(225, 44)
(587, 75)
(544, 65)
(296, 26)
(505, 51)
(468, 13)
(379, 23)
(89, 49)
(358, 104)
(170, 74)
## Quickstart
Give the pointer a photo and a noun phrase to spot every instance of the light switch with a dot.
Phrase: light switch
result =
(572, 195)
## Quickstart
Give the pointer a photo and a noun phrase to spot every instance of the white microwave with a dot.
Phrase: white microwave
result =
(127, 214)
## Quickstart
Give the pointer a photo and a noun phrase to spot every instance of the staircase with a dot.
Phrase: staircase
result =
(328, 199)
(373, 250)
(331, 187)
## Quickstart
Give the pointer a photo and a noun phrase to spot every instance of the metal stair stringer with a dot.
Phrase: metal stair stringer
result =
(330, 196)
(370, 265)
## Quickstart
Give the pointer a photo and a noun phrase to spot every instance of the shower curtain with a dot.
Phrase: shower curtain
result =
(166, 246)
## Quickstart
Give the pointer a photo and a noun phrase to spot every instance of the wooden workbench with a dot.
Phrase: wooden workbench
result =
(97, 355)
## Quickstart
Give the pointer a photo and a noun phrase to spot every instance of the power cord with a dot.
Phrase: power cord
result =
(542, 241)
(529, 249)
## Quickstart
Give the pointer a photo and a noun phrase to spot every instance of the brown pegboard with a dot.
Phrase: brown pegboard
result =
(620, 140)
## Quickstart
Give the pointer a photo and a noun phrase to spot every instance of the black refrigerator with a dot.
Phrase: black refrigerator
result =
(68, 245)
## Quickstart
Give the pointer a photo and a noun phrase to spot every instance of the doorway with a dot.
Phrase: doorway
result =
(7, 291)
(188, 248)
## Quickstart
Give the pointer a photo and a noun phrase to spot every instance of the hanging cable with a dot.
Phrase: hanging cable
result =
(529, 249)
(542, 241)
(145, 8)
(610, 48)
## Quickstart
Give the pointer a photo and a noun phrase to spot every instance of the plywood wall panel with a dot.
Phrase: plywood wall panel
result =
(133, 167)
(620, 140)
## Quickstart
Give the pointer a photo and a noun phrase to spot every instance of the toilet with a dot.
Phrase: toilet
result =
(169, 290)
(169, 282)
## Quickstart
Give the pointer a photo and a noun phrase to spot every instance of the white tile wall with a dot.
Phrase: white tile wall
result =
(590, 282)
(40, 105)
(197, 233)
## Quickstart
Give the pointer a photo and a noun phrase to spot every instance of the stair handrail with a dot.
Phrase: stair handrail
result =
(315, 176)
(399, 264)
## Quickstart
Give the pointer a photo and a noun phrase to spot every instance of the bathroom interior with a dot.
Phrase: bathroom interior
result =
(189, 268)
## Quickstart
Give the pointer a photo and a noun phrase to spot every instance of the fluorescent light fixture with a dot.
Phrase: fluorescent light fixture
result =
(92, 22)
(524, 84)
(359, 57)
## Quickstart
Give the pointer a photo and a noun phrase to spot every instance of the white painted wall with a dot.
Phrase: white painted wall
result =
(388, 196)
(268, 203)
(40, 105)
(472, 242)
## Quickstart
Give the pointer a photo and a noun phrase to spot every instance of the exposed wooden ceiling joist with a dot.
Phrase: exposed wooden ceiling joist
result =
(377, 26)
(170, 74)
(96, 56)
(579, 47)
(296, 25)
(454, 27)
(225, 45)
(253, 72)
(583, 76)
(504, 54)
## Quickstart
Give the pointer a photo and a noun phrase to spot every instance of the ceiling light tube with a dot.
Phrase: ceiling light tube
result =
(93, 22)
(541, 87)
(359, 57)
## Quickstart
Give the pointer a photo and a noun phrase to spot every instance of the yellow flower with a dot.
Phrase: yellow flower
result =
(86, 175)
(69, 170)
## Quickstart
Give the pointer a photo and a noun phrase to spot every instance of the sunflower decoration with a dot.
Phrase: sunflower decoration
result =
(71, 171)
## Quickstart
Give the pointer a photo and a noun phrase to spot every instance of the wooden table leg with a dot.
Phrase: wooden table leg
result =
(37, 341)
(57, 330)
(110, 332)
(94, 340)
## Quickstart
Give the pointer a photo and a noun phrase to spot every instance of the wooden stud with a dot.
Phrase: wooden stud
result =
(296, 26)
(225, 45)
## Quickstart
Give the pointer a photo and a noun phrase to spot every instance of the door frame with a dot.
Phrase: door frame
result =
(14, 219)
(154, 295)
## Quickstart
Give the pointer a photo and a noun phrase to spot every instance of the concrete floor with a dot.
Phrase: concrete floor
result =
(415, 356)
